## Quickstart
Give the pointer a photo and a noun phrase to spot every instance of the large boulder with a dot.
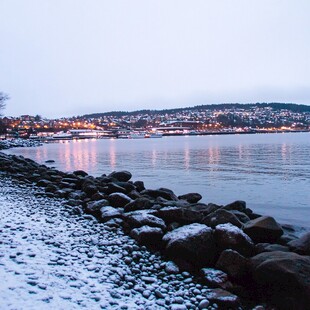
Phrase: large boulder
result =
(270, 247)
(94, 208)
(221, 216)
(122, 176)
(139, 186)
(241, 216)
(191, 197)
(234, 264)
(80, 173)
(90, 189)
(127, 185)
(192, 243)
(215, 278)
(228, 236)
(119, 200)
(301, 245)
(162, 193)
(138, 204)
(138, 219)
(170, 214)
(146, 235)
(263, 229)
(283, 278)
(238, 205)
(184, 214)
(114, 188)
(107, 213)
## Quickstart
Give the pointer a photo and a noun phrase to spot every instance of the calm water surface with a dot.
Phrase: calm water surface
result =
(271, 172)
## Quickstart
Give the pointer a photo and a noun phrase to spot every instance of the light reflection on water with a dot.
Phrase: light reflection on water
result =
(271, 171)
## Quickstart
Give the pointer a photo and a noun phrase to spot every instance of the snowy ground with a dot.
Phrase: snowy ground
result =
(51, 258)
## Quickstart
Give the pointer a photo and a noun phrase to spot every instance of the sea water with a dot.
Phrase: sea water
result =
(271, 172)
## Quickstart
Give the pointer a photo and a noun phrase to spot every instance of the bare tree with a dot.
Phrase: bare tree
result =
(3, 98)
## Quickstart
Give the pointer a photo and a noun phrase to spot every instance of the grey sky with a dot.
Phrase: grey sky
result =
(70, 57)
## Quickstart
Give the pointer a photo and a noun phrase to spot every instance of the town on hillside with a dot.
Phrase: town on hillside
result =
(198, 120)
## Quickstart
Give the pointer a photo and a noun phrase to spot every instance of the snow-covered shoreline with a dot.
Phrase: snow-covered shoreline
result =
(81, 222)
(52, 257)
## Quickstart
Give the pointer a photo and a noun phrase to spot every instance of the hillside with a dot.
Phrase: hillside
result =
(298, 108)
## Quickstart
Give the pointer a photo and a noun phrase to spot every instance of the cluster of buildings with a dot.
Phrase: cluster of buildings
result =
(197, 120)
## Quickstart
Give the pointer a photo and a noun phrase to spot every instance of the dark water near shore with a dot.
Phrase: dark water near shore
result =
(271, 172)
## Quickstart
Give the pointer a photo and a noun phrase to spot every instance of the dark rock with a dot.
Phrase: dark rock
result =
(97, 196)
(193, 243)
(215, 278)
(283, 278)
(44, 183)
(119, 200)
(107, 213)
(237, 205)
(268, 247)
(170, 214)
(191, 197)
(94, 208)
(114, 188)
(228, 236)
(80, 173)
(61, 193)
(122, 176)
(138, 204)
(127, 185)
(104, 180)
(138, 219)
(169, 191)
(139, 186)
(51, 188)
(73, 202)
(146, 235)
(253, 216)
(159, 193)
(114, 222)
(184, 214)
(221, 216)
(223, 298)
(73, 180)
(173, 226)
(55, 178)
(77, 195)
(241, 216)
(89, 180)
(234, 264)
(90, 189)
(50, 161)
(301, 245)
(199, 210)
(289, 234)
(50, 195)
(134, 195)
(263, 229)
(63, 184)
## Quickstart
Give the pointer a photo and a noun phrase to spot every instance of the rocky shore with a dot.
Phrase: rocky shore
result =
(240, 258)
(7, 144)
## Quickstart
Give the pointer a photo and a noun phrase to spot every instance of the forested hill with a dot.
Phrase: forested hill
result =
(298, 108)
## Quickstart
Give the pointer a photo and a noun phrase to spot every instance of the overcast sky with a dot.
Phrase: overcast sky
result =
(71, 57)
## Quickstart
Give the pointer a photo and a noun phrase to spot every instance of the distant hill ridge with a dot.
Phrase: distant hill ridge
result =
(298, 108)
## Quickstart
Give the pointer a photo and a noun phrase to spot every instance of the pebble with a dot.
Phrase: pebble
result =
(204, 304)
